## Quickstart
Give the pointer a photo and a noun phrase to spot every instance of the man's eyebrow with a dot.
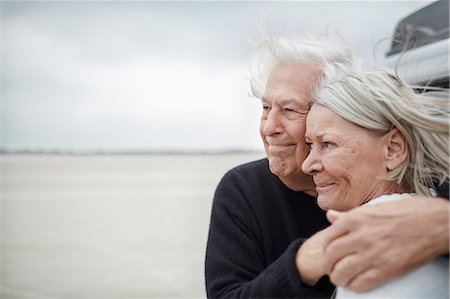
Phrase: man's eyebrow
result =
(288, 101)
(297, 103)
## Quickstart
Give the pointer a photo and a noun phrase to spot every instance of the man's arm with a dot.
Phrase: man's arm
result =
(371, 245)
(236, 258)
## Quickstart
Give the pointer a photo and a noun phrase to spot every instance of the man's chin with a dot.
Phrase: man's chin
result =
(294, 180)
(279, 169)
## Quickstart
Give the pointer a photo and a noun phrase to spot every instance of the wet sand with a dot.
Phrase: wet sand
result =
(107, 226)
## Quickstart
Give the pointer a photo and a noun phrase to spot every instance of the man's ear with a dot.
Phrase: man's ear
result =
(396, 149)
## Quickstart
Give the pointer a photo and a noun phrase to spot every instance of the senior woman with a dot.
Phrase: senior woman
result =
(373, 139)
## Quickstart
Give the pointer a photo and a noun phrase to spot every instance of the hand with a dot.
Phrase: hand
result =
(373, 244)
(310, 258)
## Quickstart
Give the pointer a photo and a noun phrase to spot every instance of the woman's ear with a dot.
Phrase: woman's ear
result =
(396, 149)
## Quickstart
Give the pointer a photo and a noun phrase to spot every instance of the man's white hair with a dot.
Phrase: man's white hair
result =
(332, 55)
(378, 100)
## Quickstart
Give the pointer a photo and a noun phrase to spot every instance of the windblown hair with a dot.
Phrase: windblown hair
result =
(378, 100)
(333, 56)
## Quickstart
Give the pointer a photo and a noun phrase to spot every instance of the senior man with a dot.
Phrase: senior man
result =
(263, 211)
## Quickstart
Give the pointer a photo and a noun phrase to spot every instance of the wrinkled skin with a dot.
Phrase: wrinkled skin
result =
(347, 161)
(283, 122)
(368, 245)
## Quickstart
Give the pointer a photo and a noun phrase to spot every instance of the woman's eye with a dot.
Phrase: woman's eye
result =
(309, 144)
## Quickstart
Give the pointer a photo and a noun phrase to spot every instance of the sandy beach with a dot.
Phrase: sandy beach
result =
(107, 226)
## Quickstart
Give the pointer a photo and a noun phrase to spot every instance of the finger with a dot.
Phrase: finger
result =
(367, 280)
(333, 215)
(334, 231)
(339, 248)
(348, 268)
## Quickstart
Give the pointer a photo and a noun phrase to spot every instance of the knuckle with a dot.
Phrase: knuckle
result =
(366, 240)
(328, 264)
(350, 221)
(330, 253)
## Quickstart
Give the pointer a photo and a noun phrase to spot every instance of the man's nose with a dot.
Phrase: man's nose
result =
(312, 164)
(272, 123)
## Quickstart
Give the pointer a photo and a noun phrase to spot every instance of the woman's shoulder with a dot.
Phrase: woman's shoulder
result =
(390, 197)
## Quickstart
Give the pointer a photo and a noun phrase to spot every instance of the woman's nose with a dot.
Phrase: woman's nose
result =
(312, 164)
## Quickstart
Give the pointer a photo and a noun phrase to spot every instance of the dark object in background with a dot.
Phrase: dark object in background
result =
(419, 51)
(427, 25)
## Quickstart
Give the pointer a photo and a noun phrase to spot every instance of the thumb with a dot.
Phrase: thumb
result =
(333, 215)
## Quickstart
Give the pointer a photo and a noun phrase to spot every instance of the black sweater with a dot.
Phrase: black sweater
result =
(257, 225)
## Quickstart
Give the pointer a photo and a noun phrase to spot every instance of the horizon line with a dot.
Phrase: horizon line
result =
(129, 152)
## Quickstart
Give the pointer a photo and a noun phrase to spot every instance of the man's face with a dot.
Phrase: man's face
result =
(283, 122)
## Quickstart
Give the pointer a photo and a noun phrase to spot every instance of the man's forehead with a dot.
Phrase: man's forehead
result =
(292, 82)
(311, 71)
(287, 101)
(288, 96)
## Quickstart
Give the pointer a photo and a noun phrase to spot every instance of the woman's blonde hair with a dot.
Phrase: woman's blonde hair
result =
(378, 100)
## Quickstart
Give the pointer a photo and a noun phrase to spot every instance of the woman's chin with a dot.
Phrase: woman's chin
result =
(326, 203)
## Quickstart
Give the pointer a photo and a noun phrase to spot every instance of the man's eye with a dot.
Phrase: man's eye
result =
(266, 108)
(327, 144)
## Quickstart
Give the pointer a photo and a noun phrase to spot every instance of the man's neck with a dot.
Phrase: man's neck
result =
(300, 184)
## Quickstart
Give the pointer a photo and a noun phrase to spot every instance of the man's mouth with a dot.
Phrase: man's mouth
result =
(274, 148)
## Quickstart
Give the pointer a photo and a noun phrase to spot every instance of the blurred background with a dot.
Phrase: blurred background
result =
(118, 120)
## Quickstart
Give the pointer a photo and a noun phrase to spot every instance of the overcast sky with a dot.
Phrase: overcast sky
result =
(155, 75)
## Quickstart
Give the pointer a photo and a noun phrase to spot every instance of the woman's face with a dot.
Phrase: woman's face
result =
(345, 160)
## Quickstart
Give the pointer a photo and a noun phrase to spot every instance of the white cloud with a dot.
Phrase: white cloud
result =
(154, 75)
